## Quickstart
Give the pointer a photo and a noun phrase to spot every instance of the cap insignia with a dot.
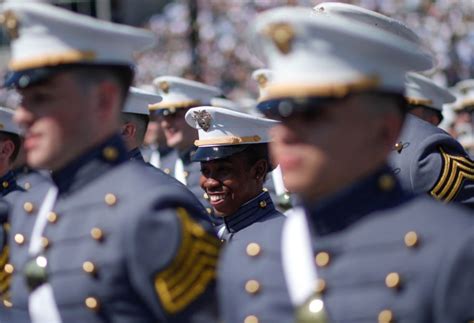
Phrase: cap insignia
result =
(203, 118)
(262, 80)
(282, 35)
(164, 86)
(10, 21)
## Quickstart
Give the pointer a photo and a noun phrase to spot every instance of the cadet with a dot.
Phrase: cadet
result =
(112, 240)
(233, 152)
(426, 99)
(10, 143)
(425, 158)
(135, 118)
(363, 249)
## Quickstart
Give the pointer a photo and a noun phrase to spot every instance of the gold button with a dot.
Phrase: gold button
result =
(28, 207)
(386, 316)
(209, 210)
(97, 234)
(263, 204)
(92, 303)
(5, 184)
(19, 239)
(186, 174)
(27, 185)
(320, 286)
(322, 259)
(411, 239)
(386, 182)
(253, 249)
(52, 217)
(167, 170)
(7, 303)
(45, 242)
(8, 268)
(265, 189)
(205, 196)
(251, 319)
(89, 267)
(393, 280)
(399, 146)
(252, 286)
(110, 199)
(110, 153)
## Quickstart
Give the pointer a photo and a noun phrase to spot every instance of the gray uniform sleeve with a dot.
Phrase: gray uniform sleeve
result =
(172, 263)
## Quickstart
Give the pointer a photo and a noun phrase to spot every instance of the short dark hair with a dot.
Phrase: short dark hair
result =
(140, 121)
(427, 111)
(16, 142)
(93, 74)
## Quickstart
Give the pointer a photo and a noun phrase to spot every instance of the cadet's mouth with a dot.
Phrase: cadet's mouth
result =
(217, 198)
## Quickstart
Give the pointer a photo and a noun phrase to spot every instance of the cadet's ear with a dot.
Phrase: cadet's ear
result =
(129, 130)
(260, 168)
(6, 149)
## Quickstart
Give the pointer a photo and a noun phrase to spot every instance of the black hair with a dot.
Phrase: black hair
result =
(16, 142)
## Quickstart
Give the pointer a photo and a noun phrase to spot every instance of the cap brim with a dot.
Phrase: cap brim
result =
(25, 78)
(216, 152)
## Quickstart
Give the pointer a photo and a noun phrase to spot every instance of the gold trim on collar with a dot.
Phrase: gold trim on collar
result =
(175, 105)
(275, 91)
(416, 101)
(227, 141)
(73, 56)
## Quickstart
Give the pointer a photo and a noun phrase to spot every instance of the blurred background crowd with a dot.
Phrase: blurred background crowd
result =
(206, 40)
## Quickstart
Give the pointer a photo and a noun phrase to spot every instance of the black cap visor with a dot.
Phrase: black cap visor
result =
(217, 152)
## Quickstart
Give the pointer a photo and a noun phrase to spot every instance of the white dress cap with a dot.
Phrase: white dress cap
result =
(329, 55)
(6, 122)
(178, 92)
(138, 101)
(45, 35)
(420, 90)
(224, 127)
(465, 89)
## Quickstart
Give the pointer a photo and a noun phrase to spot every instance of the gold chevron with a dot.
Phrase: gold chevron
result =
(193, 268)
(456, 169)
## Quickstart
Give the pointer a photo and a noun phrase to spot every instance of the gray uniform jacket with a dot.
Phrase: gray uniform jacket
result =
(428, 160)
(380, 253)
(123, 244)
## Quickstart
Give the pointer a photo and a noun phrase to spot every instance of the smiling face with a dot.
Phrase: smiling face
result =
(231, 182)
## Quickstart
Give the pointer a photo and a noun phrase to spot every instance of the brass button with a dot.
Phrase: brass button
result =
(27, 185)
(252, 286)
(28, 207)
(45, 242)
(263, 204)
(186, 174)
(110, 153)
(322, 259)
(5, 184)
(97, 234)
(167, 170)
(19, 239)
(7, 303)
(399, 146)
(265, 189)
(208, 210)
(385, 316)
(8, 268)
(411, 239)
(205, 196)
(386, 182)
(52, 217)
(89, 267)
(251, 319)
(253, 249)
(92, 303)
(393, 280)
(110, 199)
(320, 286)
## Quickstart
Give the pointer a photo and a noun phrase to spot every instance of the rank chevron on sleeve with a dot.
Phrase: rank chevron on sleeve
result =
(455, 170)
(192, 270)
